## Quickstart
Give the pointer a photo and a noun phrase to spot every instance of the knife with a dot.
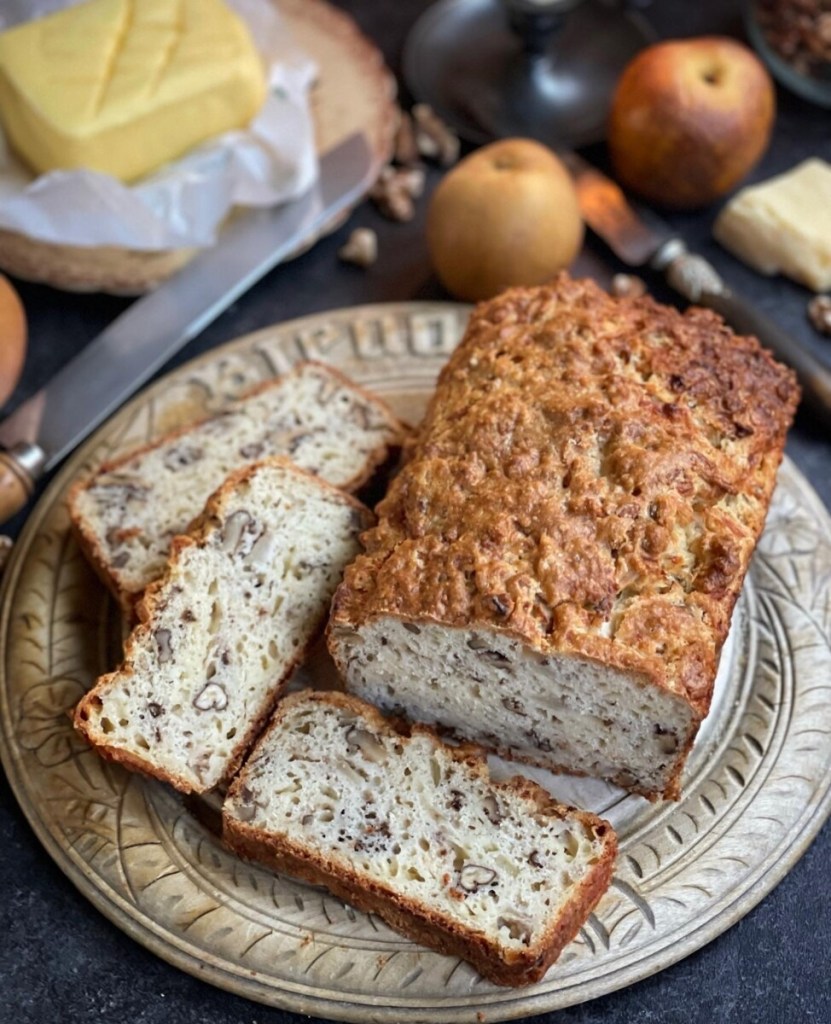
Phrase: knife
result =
(47, 426)
(640, 238)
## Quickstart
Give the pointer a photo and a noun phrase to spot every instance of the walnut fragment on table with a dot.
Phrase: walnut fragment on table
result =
(627, 286)
(361, 248)
(819, 313)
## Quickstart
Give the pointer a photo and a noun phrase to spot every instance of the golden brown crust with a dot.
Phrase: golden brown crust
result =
(91, 550)
(591, 477)
(87, 539)
(411, 918)
(145, 610)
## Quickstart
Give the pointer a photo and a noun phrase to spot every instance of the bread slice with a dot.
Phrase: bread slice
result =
(241, 600)
(416, 832)
(126, 515)
(554, 570)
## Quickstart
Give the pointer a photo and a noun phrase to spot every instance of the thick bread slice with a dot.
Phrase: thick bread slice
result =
(554, 570)
(126, 515)
(417, 833)
(240, 601)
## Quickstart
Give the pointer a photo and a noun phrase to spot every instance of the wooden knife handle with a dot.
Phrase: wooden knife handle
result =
(15, 486)
(20, 466)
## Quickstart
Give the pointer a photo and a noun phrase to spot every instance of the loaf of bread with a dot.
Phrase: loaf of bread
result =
(240, 601)
(126, 515)
(416, 832)
(554, 570)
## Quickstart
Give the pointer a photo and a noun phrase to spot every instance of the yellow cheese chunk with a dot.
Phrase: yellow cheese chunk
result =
(783, 226)
(122, 86)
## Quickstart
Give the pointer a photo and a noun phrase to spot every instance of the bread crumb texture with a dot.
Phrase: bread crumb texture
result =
(423, 828)
(589, 483)
(240, 601)
(126, 515)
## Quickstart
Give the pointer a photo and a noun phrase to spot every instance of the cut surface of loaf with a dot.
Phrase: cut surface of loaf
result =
(416, 832)
(126, 515)
(554, 570)
(241, 599)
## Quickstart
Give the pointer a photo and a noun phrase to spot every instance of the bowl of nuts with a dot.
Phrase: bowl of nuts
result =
(793, 37)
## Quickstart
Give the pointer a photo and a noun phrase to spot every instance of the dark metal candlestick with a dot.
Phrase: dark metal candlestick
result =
(496, 68)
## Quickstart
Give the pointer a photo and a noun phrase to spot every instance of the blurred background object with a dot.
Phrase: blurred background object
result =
(793, 37)
(545, 70)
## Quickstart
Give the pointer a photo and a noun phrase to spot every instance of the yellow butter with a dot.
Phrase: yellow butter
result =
(783, 226)
(123, 86)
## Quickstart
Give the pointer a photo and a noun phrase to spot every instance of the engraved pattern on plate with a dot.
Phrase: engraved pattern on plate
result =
(757, 788)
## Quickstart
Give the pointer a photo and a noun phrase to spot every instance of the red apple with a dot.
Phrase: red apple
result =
(689, 119)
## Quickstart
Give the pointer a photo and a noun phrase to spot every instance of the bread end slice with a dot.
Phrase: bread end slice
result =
(405, 827)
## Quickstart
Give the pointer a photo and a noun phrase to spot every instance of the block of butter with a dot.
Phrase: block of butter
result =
(783, 226)
(123, 86)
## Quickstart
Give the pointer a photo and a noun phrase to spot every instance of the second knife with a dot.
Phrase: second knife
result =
(641, 239)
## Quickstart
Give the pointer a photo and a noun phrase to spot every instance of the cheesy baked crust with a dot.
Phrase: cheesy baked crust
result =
(589, 482)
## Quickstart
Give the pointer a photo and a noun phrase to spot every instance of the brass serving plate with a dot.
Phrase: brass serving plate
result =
(757, 789)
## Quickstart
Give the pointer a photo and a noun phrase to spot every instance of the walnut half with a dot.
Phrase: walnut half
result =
(211, 697)
(361, 248)
(473, 876)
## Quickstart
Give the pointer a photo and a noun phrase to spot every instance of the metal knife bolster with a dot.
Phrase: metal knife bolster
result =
(689, 275)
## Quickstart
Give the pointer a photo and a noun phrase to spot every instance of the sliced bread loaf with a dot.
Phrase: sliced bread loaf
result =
(417, 833)
(554, 570)
(126, 515)
(240, 601)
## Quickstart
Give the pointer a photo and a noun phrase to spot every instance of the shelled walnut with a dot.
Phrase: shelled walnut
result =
(395, 191)
(627, 286)
(361, 248)
(799, 31)
(433, 138)
(819, 313)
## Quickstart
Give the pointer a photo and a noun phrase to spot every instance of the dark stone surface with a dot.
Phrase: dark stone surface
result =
(61, 960)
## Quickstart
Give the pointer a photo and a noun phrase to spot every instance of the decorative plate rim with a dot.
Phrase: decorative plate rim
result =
(499, 1004)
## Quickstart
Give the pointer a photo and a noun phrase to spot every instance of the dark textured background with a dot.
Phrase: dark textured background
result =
(61, 960)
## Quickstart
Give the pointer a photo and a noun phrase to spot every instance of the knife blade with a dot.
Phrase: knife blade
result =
(46, 427)
(640, 238)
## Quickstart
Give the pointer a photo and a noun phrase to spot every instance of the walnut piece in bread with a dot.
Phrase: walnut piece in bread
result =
(417, 833)
(240, 602)
(554, 569)
(126, 514)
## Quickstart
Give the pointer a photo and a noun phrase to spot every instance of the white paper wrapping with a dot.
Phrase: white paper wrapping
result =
(181, 205)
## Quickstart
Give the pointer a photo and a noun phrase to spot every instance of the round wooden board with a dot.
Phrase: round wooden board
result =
(757, 787)
(355, 91)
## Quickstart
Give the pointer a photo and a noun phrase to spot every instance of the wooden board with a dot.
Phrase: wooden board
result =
(355, 91)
